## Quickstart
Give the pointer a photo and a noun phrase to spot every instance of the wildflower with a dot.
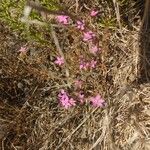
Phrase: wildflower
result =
(94, 49)
(93, 64)
(84, 65)
(87, 36)
(23, 49)
(78, 83)
(97, 101)
(80, 25)
(87, 65)
(59, 61)
(63, 19)
(72, 102)
(64, 99)
(93, 13)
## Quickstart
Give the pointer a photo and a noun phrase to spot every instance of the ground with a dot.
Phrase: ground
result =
(31, 116)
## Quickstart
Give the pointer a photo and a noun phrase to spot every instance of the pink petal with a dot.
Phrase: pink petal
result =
(97, 101)
(84, 66)
(72, 102)
(80, 25)
(78, 83)
(59, 61)
(87, 36)
(94, 49)
(65, 101)
(63, 19)
(23, 49)
(93, 64)
(93, 13)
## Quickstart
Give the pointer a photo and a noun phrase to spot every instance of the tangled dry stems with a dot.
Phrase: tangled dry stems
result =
(30, 117)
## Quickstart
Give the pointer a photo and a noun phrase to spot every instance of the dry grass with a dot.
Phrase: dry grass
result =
(30, 117)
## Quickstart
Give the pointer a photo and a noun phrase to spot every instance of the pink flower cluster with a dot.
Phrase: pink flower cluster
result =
(63, 19)
(80, 24)
(87, 65)
(65, 101)
(90, 37)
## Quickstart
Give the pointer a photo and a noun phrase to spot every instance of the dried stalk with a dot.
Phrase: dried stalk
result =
(59, 49)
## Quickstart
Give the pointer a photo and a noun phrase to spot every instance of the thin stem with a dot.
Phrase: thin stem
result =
(59, 49)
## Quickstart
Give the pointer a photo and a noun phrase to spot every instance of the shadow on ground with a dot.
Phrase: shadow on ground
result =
(144, 66)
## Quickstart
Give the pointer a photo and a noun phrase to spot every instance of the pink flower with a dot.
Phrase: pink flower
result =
(93, 64)
(84, 65)
(59, 61)
(87, 36)
(94, 49)
(87, 65)
(78, 83)
(80, 25)
(93, 13)
(65, 101)
(72, 102)
(63, 19)
(23, 49)
(97, 101)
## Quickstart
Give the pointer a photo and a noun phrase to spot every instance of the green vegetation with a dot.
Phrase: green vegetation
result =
(11, 13)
